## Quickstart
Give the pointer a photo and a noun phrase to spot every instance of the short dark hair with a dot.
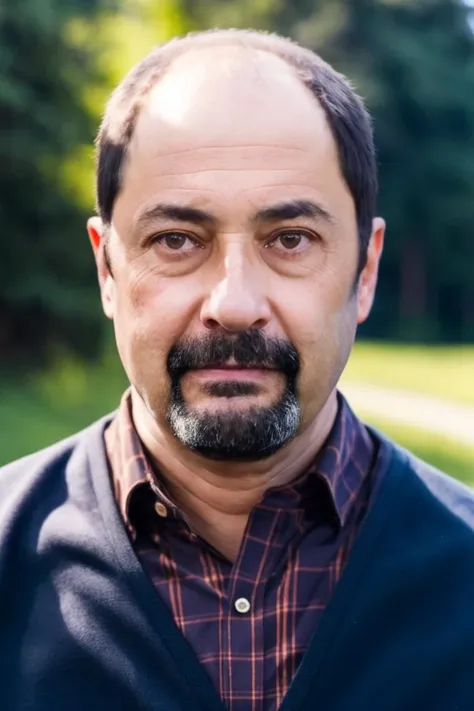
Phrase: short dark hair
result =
(347, 116)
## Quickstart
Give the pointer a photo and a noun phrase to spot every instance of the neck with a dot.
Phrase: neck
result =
(216, 498)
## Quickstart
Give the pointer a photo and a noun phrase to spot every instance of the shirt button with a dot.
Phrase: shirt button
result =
(161, 509)
(242, 605)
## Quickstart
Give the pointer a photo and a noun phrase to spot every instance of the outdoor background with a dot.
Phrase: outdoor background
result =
(412, 373)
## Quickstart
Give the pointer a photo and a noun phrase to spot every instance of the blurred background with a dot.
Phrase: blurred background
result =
(412, 372)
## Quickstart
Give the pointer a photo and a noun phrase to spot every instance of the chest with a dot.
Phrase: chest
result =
(250, 622)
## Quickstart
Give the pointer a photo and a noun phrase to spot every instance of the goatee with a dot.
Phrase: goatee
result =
(235, 435)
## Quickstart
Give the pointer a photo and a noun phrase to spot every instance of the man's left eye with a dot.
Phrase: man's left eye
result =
(290, 241)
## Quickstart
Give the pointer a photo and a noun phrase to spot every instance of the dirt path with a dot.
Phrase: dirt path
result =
(435, 415)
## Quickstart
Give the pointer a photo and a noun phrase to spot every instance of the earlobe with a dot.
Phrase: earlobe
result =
(368, 278)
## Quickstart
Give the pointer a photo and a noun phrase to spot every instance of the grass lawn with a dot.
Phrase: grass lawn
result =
(442, 372)
(452, 458)
(36, 412)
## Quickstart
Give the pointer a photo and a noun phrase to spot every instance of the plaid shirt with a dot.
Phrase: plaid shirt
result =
(250, 622)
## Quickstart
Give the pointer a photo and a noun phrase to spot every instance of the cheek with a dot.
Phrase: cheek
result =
(315, 311)
(151, 314)
(323, 330)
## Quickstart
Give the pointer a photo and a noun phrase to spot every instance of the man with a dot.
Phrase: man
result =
(233, 536)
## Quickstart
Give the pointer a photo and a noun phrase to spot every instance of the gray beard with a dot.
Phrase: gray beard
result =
(246, 435)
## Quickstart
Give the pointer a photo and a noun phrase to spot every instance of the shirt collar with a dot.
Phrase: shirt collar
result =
(345, 460)
(131, 465)
(341, 465)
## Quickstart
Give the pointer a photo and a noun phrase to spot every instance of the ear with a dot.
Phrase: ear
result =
(96, 231)
(368, 278)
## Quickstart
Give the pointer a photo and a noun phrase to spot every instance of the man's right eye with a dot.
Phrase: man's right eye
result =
(175, 241)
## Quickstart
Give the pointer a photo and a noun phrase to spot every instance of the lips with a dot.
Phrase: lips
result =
(226, 366)
(231, 365)
(228, 371)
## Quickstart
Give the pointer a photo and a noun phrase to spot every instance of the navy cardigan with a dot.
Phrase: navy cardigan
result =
(83, 629)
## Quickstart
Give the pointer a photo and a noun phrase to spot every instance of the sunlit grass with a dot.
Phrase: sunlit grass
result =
(443, 453)
(45, 408)
(442, 372)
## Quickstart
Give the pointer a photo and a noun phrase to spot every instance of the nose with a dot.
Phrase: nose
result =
(236, 302)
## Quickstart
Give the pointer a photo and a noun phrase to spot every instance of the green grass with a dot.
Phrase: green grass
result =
(452, 458)
(50, 406)
(45, 408)
(442, 372)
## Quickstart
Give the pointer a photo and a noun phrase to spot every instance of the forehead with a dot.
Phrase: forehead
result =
(231, 119)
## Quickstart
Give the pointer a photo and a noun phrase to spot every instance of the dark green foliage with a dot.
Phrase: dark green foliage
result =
(47, 287)
(415, 63)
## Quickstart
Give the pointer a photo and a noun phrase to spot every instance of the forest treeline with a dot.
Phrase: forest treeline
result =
(412, 61)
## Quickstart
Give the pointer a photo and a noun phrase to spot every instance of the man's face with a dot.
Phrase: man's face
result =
(234, 250)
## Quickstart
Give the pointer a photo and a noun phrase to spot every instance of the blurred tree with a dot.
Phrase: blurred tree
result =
(54, 79)
(413, 61)
(46, 280)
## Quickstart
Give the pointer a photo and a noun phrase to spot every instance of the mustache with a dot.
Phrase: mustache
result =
(247, 349)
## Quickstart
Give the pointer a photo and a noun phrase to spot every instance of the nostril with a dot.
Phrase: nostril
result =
(211, 324)
(214, 325)
(259, 324)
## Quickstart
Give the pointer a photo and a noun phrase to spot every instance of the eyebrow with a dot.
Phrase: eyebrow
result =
(292, 209)
(285, 210)
(177, 213)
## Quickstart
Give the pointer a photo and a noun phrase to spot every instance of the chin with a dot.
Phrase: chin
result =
(237, 428)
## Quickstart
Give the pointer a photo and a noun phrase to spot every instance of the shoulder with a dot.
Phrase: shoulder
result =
(445, 491)
(430, 489)
(21, 478)
(49, 505)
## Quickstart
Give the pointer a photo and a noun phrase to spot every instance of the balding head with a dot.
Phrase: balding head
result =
(231, 49)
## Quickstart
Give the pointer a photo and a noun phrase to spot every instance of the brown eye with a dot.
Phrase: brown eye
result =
(292, 240)
(175, 242)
